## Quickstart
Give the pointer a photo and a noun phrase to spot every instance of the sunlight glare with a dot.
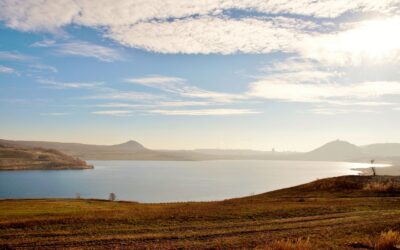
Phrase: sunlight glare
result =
(376, 39)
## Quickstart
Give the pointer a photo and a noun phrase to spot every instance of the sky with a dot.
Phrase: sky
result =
(185, 74)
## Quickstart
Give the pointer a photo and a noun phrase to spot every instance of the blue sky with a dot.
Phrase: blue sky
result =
(192, 74)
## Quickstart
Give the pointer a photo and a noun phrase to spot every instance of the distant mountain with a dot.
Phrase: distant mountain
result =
(382, 150)
(130, 145)
(336, 151)
(132, 150)
(19, 158)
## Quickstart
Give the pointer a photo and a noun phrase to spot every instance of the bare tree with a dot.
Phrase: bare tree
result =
(373, 168)
(112, 197)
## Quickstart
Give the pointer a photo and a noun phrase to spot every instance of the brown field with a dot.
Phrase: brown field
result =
(351, 212)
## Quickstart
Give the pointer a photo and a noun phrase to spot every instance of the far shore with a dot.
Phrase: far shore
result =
(393, 170)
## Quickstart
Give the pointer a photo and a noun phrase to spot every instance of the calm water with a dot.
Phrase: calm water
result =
(162, 181)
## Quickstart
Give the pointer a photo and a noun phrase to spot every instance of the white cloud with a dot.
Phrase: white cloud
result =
(123, 105)
(184, 103)
(55, 114)
(70, 85)
(113, 94)
(304, 80)
(157, 104)
(311, 92)
(164, 82)
(44, 43)
(41, 67)
(6, 70)
(205, 35)
(202, 112)
(372, 41)
(113, 112)
(48, 15)
(195, 26)
(13, 56)
(85, 49)
(336, 111)
(38, 15)
(180, 87)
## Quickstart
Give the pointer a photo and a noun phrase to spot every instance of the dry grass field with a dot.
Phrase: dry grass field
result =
(350, 212)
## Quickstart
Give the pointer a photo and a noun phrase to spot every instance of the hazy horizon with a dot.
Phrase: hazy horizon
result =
(206, 148)
(230, 75)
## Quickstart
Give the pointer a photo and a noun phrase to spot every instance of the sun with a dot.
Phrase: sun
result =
(375, 39)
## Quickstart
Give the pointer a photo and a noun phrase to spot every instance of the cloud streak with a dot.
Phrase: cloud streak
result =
(205, 112)
(113, 112)
(180, 87)
(70, 85)
(85, 49)
(13, 56)
(6, 70)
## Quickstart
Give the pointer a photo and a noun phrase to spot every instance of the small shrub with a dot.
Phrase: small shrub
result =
(298, 244)
(389, 186)
(112, 197)
(389, 240)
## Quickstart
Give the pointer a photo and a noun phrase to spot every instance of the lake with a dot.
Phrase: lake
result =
(165, 181)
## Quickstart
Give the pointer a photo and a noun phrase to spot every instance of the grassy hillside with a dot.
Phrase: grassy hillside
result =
(18, 158)
(335, 213)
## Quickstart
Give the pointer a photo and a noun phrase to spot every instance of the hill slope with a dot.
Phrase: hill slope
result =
(336, 151)
(130, 150)
(18, 158)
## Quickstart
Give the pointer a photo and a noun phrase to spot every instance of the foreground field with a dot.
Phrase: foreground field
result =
(336, 213)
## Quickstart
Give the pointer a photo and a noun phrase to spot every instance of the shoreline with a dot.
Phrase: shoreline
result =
(393, 170)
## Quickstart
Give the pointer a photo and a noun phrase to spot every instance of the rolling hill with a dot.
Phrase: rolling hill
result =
(336, 151)
(131, 150)
(19, 158)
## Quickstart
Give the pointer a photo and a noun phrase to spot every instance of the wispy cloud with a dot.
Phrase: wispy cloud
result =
(205, 112)
(124, 105)
(303, 80)
(180, 87)
(70, 85)
(155, 104)
(185, 103)
(55, 114)
(14, 56)
(113, 112)
(44, 43)
(6, 70)
(338, 111)
(299, 92)
(43, 67)
(85, 49)
(112, 94)
(157, 81)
